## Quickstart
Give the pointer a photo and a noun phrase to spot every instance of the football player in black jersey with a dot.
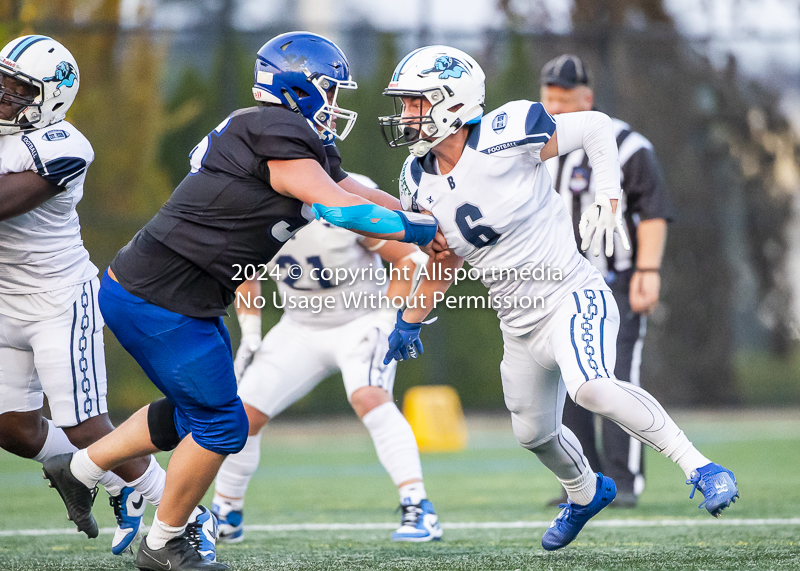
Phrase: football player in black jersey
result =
(252, 185)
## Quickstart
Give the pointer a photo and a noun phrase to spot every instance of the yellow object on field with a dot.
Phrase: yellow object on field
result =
(435, 415)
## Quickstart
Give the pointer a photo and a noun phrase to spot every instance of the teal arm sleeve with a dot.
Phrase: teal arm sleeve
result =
(418, 228)
(364, 217)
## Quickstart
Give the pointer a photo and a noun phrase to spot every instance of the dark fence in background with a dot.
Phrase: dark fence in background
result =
(720, 336)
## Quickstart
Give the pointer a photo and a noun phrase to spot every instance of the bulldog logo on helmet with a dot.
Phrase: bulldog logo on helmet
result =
(65, 76)
(448, 67)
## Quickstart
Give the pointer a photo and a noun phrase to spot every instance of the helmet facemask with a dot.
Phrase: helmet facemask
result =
(401, 131)
(325, 118)
(18, 111)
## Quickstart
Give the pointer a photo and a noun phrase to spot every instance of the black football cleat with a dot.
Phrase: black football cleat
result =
(177, 555)
(76, 496)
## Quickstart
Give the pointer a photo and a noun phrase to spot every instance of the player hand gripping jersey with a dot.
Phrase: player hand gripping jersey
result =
(328, 325)
(483, 179)
(250, 188)
(51, 330)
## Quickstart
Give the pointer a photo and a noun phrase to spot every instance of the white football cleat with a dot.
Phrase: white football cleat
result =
(128, 510)
(231, 523)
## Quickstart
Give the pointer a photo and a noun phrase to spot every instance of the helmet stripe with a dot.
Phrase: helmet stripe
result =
(24, 45)
(399, 68)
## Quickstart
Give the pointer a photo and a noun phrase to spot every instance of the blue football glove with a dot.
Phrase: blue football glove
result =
(404, 341)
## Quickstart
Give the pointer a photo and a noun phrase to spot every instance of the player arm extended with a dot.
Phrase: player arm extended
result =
(21, 192)
(305, 180)
(383, 198)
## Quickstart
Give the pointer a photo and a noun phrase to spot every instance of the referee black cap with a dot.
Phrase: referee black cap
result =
(565, 71)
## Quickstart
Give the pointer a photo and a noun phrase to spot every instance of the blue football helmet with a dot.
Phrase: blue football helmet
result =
(305, 72)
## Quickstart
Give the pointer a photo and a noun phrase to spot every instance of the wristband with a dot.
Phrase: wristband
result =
(647, 270)
(419, 228)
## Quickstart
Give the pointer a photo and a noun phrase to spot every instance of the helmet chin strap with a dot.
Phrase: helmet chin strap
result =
(292, 103)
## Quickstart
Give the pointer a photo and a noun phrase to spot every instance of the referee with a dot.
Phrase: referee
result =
(633, 275)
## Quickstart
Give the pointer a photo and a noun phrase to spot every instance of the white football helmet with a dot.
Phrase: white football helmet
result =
(50, 75)
(450, 80)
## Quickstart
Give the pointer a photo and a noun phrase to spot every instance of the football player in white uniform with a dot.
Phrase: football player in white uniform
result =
(484, 180)
(51, 330)
(328, 326)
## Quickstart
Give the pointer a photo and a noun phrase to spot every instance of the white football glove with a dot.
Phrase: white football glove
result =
(251, 341)
(599, 220)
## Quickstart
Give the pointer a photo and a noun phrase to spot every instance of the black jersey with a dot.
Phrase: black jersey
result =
(223, 213)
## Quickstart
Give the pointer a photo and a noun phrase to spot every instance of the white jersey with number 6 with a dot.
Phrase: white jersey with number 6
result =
(497, 209)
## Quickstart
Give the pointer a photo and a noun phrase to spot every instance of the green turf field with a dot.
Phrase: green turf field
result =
(326, 473)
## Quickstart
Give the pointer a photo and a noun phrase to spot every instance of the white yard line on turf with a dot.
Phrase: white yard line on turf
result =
(457, 525)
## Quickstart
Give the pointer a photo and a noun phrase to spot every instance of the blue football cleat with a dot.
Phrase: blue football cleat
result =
(718, 485)
(201, 532)
(231, 524)
(128, 510)
(573, 517)
(418, 523)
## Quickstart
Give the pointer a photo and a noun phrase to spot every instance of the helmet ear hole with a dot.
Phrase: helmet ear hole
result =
(299, 92)
(57, 105)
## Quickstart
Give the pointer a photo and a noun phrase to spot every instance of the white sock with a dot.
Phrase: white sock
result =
(235, 473)
(56, 443)
(582, 489)
(85, 470)
(394, 442)
(151, 483)
(160, 533)
(112, 483)
(682, 452)
(412, 494)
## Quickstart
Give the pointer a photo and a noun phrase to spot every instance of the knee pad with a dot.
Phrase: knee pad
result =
(601, 396)
(528, 434)
(161, 423)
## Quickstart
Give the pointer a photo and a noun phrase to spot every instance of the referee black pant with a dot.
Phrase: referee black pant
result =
(616, 454)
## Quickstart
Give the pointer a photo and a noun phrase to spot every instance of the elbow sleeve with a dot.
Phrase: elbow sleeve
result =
(594, 132)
